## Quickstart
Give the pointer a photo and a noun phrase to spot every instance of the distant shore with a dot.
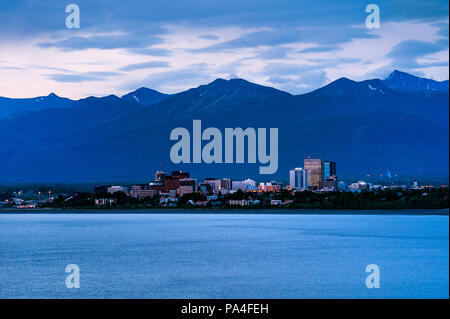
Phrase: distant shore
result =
(225, 211)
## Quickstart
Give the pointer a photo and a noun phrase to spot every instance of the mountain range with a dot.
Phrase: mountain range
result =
(399, 124)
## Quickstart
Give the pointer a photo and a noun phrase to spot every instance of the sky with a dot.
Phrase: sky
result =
(170, 46)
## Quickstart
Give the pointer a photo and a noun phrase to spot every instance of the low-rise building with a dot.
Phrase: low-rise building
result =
(144, 193)
(330, 183)
(205, 189)
(105, 201)
(239, 202)
(187, 186)
(116, 188)
(358, 186)
(102, 189)
(271, 187)
(240, 185)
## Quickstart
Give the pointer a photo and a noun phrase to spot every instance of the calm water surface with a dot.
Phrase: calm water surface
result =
(223, 256)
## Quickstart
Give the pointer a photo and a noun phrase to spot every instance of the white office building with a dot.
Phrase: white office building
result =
(116, 188)
(298, 179)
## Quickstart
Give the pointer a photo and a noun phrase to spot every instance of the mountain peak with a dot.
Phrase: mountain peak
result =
(240, 85)
(341, 86)
(107, 98)
(144, 96)
(231, 82)
(223, 83)
(144, 89)
(343, 80)
(399, 74)
(402, 81)
(219, 81)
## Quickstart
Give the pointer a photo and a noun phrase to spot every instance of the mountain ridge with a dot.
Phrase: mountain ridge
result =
(364, 126)
(146, 96)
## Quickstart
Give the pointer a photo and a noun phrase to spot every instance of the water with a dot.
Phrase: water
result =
(223, 256)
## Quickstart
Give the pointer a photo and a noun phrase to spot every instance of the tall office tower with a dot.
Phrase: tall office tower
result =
(298, 179)
(215, 183)
(159, 176)
(225, 183)
(314, 168)
(329, 169)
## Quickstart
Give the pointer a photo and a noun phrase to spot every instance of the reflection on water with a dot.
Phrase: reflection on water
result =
(223, 256)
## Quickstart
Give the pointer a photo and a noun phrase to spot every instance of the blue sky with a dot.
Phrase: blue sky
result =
(171, 46)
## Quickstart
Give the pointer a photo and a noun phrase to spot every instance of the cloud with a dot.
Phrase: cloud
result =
(230, 70)
(145, 65)
(287, 68)
(294, 45)
(103, 42)
(405, 54)
(300, 82)
(11, 68)
(81, 77)
(319, 49)
(274, 53)
(443, 30)
(295, 78)
(175, 80)
(292, 34)
(313, 65)
(151, 51)
(208, 37)
(51, 68)
(30, 17)
(333, 62)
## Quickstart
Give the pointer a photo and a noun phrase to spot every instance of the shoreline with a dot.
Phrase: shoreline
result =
(231, 211)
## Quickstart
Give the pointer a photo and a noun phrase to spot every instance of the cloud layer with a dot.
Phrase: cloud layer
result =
(171, 46)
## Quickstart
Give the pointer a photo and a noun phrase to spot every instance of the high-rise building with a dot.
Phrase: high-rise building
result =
(159, 176)
(225, 184)
(215, 183)
(314, 169)
(298, 179)
(329, 169)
